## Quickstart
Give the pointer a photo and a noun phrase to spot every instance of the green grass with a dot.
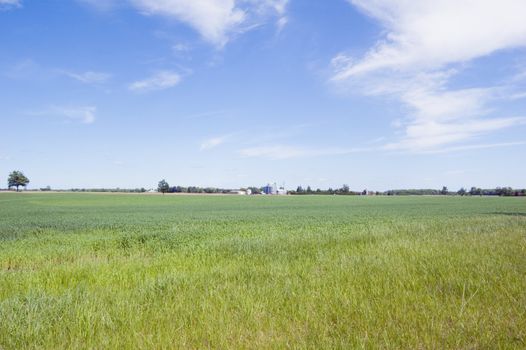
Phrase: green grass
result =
(139, 271)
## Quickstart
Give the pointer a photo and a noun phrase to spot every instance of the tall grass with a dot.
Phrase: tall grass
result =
(138, 271)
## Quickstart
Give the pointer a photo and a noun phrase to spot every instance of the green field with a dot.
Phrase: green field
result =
(142, 271)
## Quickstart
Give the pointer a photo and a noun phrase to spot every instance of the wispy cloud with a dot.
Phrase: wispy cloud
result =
(429, 34)
(214, 142)
(82, 114)
(518, 96)
(431, 136)
(28, 69)
(278, 152)
(215, 20)
(159, 81)
(281, 23)
(10, 4)
(88, 77)
(25, 69)
(181, 50)
(424, 46)
(455, 149)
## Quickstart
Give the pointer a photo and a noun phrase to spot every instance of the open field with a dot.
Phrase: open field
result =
(135, 271)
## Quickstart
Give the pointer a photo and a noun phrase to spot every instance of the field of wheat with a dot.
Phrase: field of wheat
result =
(140, 271)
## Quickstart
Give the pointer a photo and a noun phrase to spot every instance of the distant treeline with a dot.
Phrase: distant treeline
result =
(474, 191)
(170, 189)
(122, 190)
(195, 189)
(344, 190)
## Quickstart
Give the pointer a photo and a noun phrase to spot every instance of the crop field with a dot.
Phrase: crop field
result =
(141, 271)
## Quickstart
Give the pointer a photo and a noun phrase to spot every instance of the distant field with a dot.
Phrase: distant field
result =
(135, 271)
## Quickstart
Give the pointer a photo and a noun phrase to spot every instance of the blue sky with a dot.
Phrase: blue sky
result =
(376, 94)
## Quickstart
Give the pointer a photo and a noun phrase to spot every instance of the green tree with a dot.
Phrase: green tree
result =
(462, 192)
(255, 190)
(163, 186)
(475, 191)
(506, 191)
(17, 179)
(444, 191)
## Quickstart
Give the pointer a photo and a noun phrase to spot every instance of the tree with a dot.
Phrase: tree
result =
(475, 191)
(163, 186)
(444, 191)
(506, 191)
(345, 189)
(462, 192)
(17, 179)
(255, 190)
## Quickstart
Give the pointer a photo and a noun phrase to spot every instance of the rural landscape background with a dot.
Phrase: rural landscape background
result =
(262, 174)
(139, 271)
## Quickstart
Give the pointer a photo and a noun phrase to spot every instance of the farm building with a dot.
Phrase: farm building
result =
(274, 189)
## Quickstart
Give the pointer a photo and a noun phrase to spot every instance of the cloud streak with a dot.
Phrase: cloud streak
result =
(10, 4)
(88, 77)
(217, 21)
(475, 147)
(424, 46)
(430, 34)
(213, 142)
(81, 114)
(159, 81)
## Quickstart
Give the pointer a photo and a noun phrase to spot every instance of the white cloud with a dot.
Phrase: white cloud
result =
(88, 77)
(476, 147)
(10, 4)
(159, 81)
(213, 142)
(180, 48)
(83, 114)
(429, 136)
(277, 152)
(413, 64)
(518, 96)
(281, 23)
(431, 33)
(25, 69)
(215, 20)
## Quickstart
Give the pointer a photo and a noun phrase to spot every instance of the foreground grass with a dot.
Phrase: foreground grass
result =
(132, 271)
